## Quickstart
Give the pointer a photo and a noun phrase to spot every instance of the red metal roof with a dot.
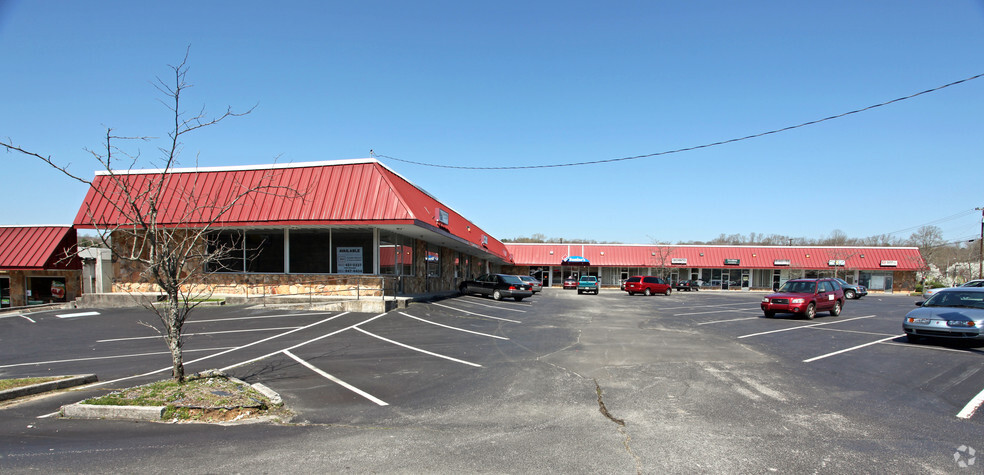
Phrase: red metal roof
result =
(38, 247)
(348, 192)
(749, 257)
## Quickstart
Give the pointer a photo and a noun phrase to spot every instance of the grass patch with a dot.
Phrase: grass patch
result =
(207, 397)
(21, 382)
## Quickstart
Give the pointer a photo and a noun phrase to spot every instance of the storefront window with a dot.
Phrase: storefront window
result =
(395, 254)
(265, 251)
(351, 251)
(433, 260)
(42, 290)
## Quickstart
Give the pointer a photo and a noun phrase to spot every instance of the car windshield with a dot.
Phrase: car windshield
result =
(956, 299)
(799, 287)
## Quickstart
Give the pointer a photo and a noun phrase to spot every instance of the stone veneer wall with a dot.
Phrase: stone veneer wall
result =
(129, 278)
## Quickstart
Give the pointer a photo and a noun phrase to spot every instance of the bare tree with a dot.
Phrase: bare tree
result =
(171, 253)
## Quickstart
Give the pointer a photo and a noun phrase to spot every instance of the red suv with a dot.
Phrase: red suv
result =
(647, 284)
(805, 297)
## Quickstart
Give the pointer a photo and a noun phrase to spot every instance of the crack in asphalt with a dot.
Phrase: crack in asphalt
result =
(621, 427)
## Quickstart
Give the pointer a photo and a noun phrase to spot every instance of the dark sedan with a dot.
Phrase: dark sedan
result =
(499, 286)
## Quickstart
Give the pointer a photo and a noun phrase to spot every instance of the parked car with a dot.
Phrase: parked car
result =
(687, 285)
(535, 284)
(570, 283)
(927, 293)
(852, 291)
(499, 286)
(955, 313)
(805, 297)
(588, 283)
(648, 285)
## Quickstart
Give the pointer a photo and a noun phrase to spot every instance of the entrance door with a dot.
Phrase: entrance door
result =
(4, 292)
(776, 279)
(725, 280)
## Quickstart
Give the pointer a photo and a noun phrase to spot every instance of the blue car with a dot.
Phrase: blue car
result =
(955, 313)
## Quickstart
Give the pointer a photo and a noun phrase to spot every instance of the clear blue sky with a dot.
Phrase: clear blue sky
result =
(532, 83)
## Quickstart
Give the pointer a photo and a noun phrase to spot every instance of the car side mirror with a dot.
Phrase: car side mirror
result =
(919, 303)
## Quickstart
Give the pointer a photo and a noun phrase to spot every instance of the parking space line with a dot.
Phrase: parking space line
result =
(845, 350)
(348, 386)
(853, 331)
(80, 314)
(470, 302)
(418, 349)
(704, 313)
(710, 306)
(93, 358)
(968, 411)
(212, 320)
(326, 335)
(503, 302)
(732, 320)
(805, 326)
(200, 334)
(257, 342)
(18, 315)
(476, 314)
(453, 328)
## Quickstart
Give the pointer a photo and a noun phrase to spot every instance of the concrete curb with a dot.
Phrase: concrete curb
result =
(130, 413)
(150, 413)
(39, 388)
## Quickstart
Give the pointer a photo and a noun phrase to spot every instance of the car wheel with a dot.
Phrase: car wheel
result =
(497, 295)
(849, 294)
(770, 314)
(836, 310)
(579, 291)
(631, 293)
(518, 299)
(648, 292)
(463, 289)
(667, 291)
(811, 311)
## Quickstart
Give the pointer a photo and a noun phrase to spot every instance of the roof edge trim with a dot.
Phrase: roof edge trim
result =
(271, 166)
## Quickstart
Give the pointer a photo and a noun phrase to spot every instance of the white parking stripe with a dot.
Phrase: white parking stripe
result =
(255, 317)
(336, 380)
(94, 358)
(418, 349)
(80, 314)
(732, 320)
(477, 314)
(805, 326)
(453, 328)
(704, 313)
(326, 335)
(215, 354)
(200, 334)
(470, 302)
(968, 411)
(815, 358)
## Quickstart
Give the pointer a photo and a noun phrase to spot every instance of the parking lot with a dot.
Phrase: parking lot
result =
(561, 382)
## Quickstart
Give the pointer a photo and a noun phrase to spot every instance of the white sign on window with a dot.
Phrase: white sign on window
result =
(349, 260)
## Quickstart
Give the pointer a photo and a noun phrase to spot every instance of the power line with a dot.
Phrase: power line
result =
(688, 149)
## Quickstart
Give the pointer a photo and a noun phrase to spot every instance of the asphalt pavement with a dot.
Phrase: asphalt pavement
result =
(691, 382)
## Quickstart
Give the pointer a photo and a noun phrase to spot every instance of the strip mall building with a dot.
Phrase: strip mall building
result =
(722, 267)
(358, 222)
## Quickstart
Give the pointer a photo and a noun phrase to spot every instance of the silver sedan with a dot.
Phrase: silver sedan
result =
(955, 313)
(533, 281)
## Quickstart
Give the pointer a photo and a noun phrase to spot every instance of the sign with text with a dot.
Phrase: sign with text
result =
(679, 260)
(781, 262)
(349, 260)
(836, 263)
(889, 263)
(732, 262)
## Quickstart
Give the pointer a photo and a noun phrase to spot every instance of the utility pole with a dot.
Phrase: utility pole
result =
(980, 249)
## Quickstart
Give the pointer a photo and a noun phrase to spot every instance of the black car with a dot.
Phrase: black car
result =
(687, 285)
(852, 291)
(499, 286)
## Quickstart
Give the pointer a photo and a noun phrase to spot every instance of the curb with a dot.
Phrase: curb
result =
(130, 413)
(72, 381)
(148, 413)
